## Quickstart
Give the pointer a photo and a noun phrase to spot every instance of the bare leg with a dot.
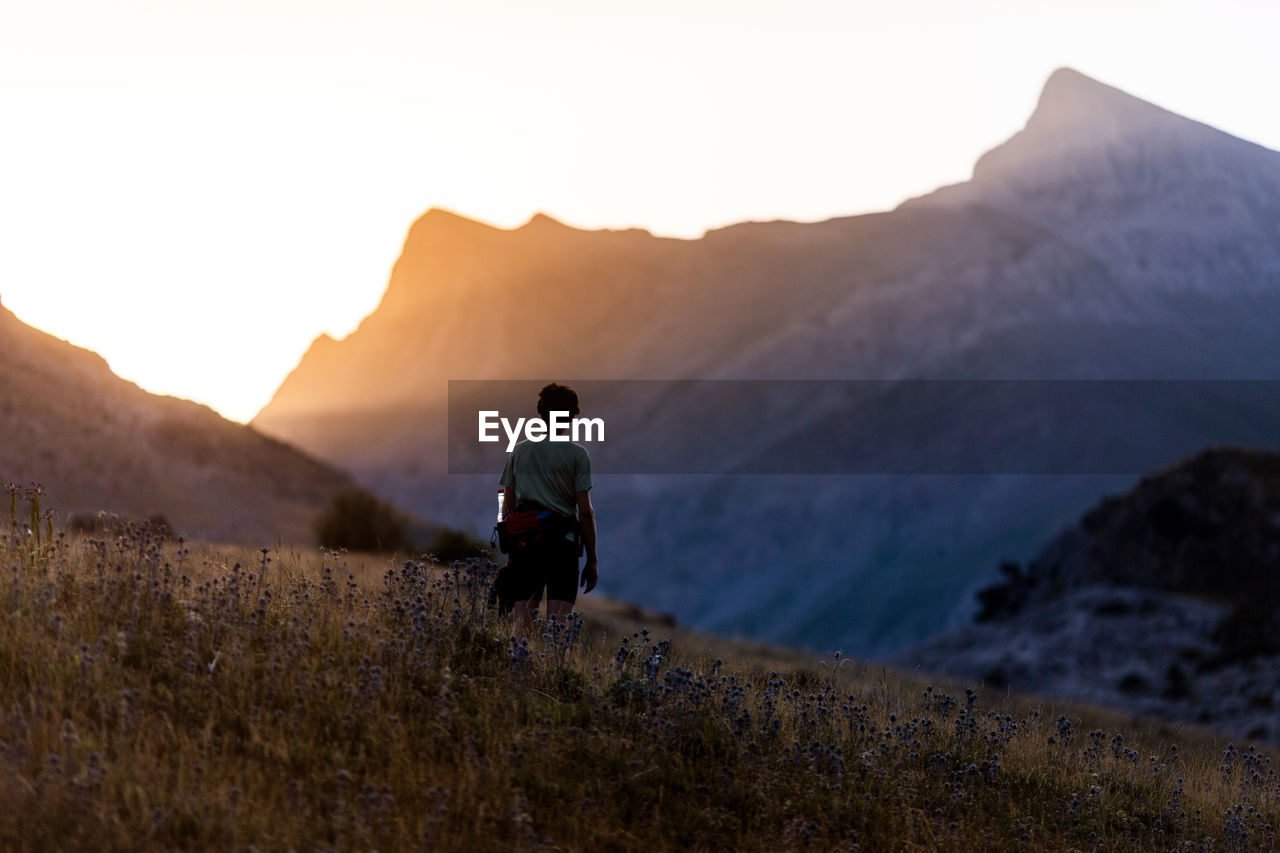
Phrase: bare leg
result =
(558, 613)
(557, 608)
(522, 616)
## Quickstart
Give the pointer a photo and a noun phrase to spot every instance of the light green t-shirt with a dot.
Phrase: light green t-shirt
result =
(549, 472)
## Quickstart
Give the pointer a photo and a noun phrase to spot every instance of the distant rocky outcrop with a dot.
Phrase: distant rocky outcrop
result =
(1207, 527)
(1164, 600)
(97, 443)
(1109, 239)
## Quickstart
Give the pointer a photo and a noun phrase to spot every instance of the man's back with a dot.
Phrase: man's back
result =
(550, 473)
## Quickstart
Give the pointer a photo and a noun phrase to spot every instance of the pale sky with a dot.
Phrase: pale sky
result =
(197, 189)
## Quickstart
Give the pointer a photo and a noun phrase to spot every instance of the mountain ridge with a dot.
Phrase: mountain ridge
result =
(1146, 260)
(97, 442)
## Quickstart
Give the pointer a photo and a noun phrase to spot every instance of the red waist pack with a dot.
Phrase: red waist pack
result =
(524, 529)
(519, 530)
(534, 526)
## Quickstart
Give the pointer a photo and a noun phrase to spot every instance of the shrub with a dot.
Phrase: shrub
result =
(1247, 632)
(1133, 683)
(1005, 599)
(104, 524)
(359, 521)
(448, 545)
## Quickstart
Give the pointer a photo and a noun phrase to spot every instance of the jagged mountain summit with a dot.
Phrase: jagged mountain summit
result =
(1110, 239)
(1080, 123)
(1090, 152)
(100, 444)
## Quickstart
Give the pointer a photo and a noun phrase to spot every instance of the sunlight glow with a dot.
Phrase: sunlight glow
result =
(197, 190)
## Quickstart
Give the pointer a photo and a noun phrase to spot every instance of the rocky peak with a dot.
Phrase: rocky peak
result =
(542, 220)
(1074, 103)
(1077, 118)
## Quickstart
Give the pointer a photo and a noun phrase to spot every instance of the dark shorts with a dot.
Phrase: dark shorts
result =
(551, 567)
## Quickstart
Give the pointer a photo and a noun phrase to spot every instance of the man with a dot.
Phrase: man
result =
(552, 476)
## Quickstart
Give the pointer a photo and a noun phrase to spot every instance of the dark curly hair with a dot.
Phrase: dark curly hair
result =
(555, 397)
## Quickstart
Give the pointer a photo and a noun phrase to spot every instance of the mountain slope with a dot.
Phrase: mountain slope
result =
(1164, 600)
(99, 443)
(1109, 239)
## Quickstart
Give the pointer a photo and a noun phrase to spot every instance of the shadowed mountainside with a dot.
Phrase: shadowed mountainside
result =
(1163, 601)
(1108, 239)
(99, 443)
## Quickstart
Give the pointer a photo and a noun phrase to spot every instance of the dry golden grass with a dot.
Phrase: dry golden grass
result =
(204, 698)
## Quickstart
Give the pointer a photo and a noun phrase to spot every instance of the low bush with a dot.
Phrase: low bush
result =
(448, 546)
(358, 520)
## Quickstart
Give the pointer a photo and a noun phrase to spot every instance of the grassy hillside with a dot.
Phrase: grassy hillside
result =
(98, 443)
(185, 697)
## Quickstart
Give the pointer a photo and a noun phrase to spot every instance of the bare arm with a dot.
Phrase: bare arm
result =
(508, 503)
(509, 497)
(587, 515)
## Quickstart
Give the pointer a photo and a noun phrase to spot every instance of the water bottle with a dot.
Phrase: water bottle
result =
(502, 493)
